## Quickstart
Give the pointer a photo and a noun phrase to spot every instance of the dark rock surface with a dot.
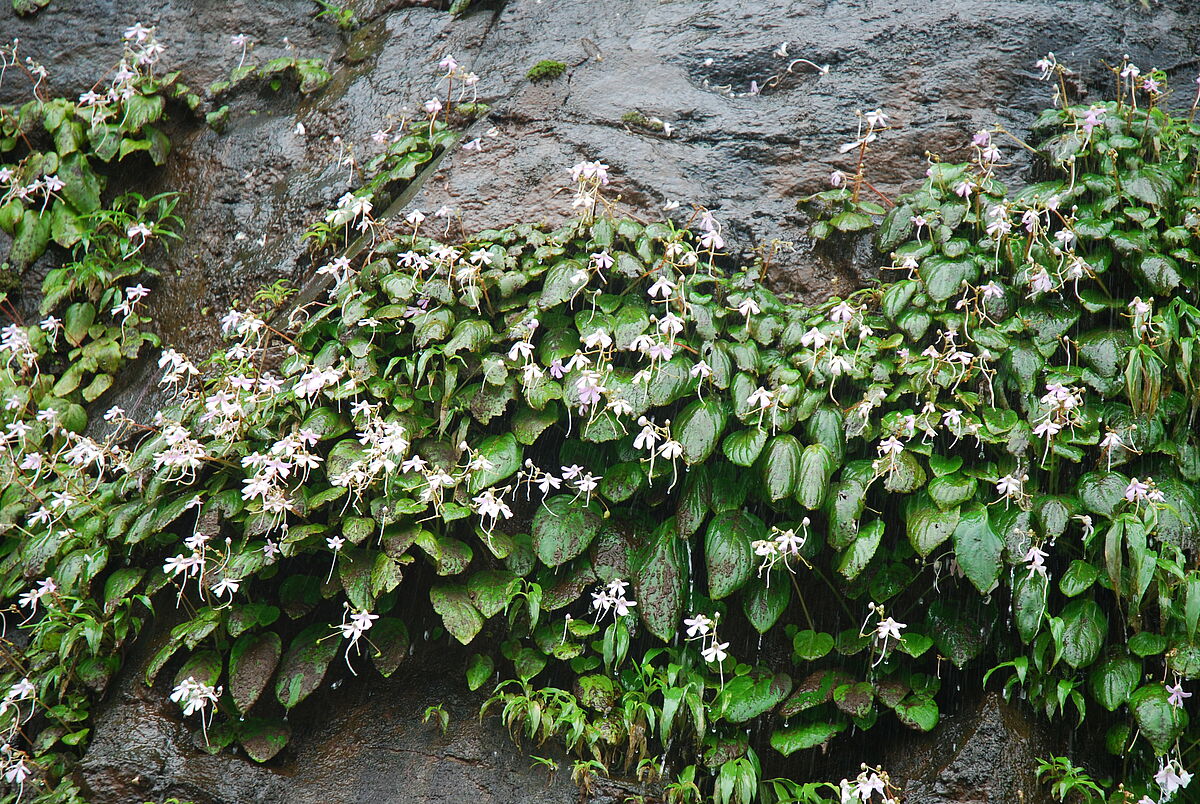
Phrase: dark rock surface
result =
(361, 744)
(941, 70)
(983, 755)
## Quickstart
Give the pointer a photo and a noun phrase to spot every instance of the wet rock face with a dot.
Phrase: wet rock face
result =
(985, 754)
(940, 70)
(363, 743)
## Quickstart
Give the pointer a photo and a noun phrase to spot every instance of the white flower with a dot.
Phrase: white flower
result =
(227, 585)
(1172, 778)
(193, 696)
(888, 628)
(1136, 490)
(814, 337)
(1047, 64)
(764, 548)
(701, 369)
(1009, 486)
(662, 288)
(17, 772)
(715, 652)
(749, 307)
(842, 313)
(1036, 560)
(648, 437)
(760, 398)
(671, 450)
(891, 446)
(698, 625)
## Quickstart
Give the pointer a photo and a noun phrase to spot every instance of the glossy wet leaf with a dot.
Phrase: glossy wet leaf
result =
(977, 548)
(660, 583)
(503, 454)
(800, 737)
(699, 428)
(305, 663)
(459, 616)
(918, 712)
(929, 527)
(859, 554)
(781, 467)
(252, 661)
(727, 551)
(562, 529)
(1160, 723)
(746, 697)
(764, 603)
(811, 645)
(743, 447)
(479, 669)
(815, 469)
(1114, 681)
(389, 636)
(263, 738)
(1084, 633)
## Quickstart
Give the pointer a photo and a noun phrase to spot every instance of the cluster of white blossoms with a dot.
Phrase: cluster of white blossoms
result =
(1061, 406)
(863, 787)
(780, 547)
(194, 696)
(700, 627)
(885, 628)
(610, 597)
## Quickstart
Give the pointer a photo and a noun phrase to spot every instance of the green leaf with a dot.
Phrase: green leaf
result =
(977, 548)
(816, 467)
(699, 427)
(929, 526)
(746, 697)
(562, 529)
(503, 454)
(764, 602)
(1029, 604)
(811, 645)
(1114, 681)
(660, 583)
(958, 632)
(1083, 636)
(479, 670)
(252, 661)
(895, 228)
(950, 490)
(491, 590)
(30, 239)
(81, 185)
(204, 667)
(859, 554)
(1159, 722)
(918, 712)
(1102, 492)
(304, 665)
(803, 736)
(728, 553)
(944, 278)
(119, 585)
(461, 618)
(389, 636)
(850, 222)
(781, 467)
(1147, 644)
(263, 738)
(1159, 272)
(1078, 578)
(623, 481)
(528, 424)
(743, 447)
